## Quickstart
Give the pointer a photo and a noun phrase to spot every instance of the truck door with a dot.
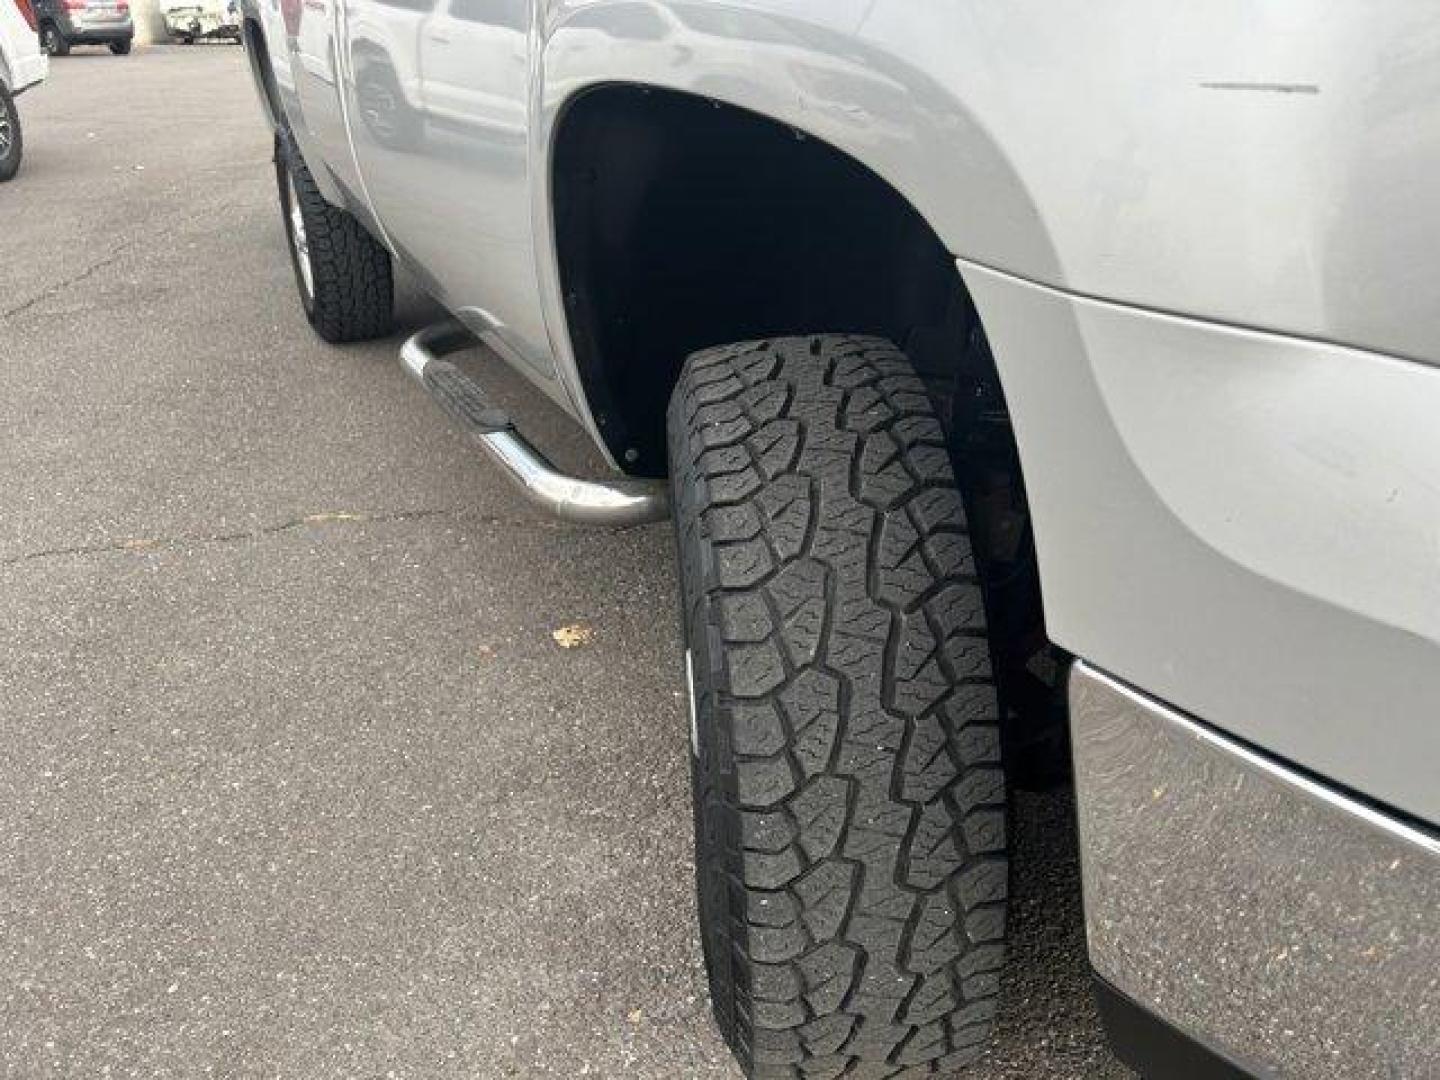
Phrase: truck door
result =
(311, 34)
(447, 173)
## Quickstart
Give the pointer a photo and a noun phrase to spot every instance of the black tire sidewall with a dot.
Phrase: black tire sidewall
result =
(353, 294)
(713, 786)
(285, 165)
(10, 163)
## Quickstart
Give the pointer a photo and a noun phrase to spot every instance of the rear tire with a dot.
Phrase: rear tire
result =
(52, 41)
(12, 139)
(342, 272)
(849, 795)
(120, 48)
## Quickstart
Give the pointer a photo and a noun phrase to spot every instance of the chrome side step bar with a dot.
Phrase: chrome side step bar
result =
(589, 502)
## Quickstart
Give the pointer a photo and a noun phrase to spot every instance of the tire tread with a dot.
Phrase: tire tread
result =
(354, 283)
(850, 806)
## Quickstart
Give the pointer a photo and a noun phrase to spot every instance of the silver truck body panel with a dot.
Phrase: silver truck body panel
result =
(1251, 906)
(1267, 165)
(1243, 524)
(463, 67)
(22, 62)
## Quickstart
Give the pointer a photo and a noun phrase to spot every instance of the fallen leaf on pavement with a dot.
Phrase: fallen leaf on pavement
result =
(573, 636)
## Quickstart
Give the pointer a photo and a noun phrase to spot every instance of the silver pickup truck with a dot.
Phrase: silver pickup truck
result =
(1034, 385)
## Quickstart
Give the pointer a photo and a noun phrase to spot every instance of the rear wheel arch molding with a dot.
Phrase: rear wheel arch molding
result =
(281, 108)
(559, 128)
(910, 125)
(257, 49)
(902, 119)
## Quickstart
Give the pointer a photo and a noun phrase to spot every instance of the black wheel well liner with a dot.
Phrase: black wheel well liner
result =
(681, 223)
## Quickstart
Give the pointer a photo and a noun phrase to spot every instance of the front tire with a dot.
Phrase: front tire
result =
(343, 273)
(849, 796)
(120, 48)
(12, 140)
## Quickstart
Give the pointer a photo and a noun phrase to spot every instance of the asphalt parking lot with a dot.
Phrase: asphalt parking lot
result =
(296, 781)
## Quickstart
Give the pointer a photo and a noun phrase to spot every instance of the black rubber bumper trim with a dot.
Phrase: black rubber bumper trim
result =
(1158, 1050)
(99, 37)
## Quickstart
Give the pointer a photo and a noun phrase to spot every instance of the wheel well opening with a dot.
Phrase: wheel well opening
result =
(682, 223)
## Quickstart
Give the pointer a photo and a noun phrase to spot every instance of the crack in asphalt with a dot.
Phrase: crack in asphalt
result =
(134, 544)
(74, 279)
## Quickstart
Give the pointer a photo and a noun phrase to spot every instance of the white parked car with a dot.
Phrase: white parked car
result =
(189, 21)
(22, 65)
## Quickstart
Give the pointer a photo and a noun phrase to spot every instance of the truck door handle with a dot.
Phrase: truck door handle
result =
(435, 35)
